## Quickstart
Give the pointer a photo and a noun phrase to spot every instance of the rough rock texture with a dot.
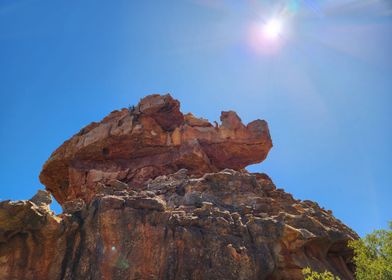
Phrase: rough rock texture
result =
(225, 225)
(131, 210)
(154, 138)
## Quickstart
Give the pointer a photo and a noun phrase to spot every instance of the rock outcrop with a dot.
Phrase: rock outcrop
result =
(154, 138)
(150, 193)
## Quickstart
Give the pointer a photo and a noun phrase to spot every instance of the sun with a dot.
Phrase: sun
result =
(273, 28)
(269, 36)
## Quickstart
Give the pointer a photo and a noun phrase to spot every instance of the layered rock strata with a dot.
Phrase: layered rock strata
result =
(151, 193)
(151, 139)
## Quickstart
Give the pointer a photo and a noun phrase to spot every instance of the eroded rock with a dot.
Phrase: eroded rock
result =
(159, 233)
(73, 206)
(151, 139)
(150, 193)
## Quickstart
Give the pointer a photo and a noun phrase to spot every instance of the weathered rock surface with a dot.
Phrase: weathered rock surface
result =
(154, 138)
(150, 193)
(225, 225)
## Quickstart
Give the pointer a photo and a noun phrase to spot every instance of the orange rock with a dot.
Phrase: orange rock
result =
(147, 194)
(151, 139)
(177, 227)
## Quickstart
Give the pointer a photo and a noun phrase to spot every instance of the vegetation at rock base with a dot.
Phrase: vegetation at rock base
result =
(372, 258)
(313, 275)
(373, 255)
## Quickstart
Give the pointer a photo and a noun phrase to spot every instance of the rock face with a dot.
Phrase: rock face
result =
(154, 138)
(150, 193)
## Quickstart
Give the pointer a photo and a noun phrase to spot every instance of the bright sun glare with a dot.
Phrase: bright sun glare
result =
(272, 29)
(268, 37)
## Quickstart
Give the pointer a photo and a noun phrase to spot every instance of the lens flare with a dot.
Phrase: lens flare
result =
(272, 29)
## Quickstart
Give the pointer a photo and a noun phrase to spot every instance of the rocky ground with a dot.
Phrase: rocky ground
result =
(150, 193)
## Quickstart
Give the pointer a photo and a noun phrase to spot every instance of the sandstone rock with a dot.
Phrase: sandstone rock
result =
(191, 120)
(142, 235)
(154, 138)
(32, 241)
(118, 185)
(42, 199)
(146, 203)
(112, 202)
(163, 109)
(149, 193)
(73, 206)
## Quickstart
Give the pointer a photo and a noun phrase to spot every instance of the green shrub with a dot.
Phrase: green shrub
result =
(373, 255)
(372, 258)
(313, 275)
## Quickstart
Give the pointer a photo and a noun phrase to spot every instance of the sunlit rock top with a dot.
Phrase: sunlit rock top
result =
(153, 138)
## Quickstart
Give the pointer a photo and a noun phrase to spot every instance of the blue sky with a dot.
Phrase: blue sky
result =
(325, 89)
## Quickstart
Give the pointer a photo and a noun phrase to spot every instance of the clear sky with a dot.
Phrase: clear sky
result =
(324, 85)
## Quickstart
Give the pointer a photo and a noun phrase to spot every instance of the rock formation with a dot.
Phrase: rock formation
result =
(150, 193)
(151, 139)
